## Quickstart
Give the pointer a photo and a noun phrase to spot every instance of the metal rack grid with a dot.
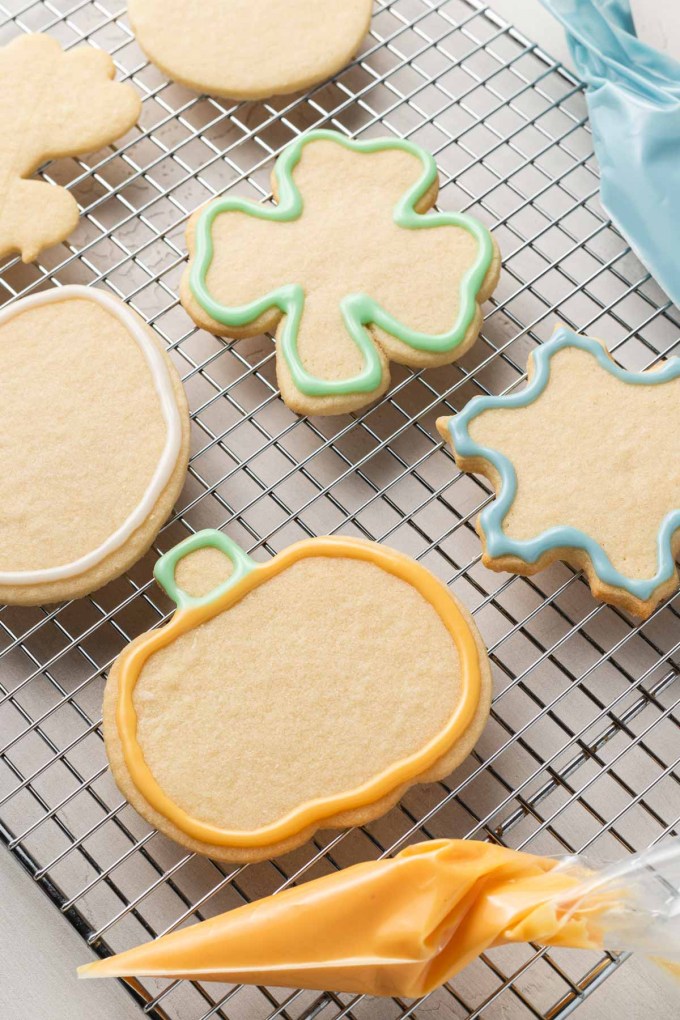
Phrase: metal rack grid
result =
(582, 745)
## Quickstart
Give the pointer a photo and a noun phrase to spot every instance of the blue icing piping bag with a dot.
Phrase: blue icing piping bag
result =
(633, 94)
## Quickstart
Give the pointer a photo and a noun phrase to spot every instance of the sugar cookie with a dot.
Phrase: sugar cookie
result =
(307, 692)
(95, 436)
(584, 461)
(347, 267)
(53, 104)
(250, 49)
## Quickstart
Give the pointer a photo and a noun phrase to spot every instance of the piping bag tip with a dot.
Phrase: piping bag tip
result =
(405, 925)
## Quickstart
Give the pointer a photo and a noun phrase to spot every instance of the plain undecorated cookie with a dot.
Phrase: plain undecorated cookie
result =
(250, 49)
(52, 104)
(95, 443)
(349, 268)
(584, 461)
(298, 694)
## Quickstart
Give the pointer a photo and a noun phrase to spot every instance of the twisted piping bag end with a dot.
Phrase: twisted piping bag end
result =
(400, 926)
(637, 903)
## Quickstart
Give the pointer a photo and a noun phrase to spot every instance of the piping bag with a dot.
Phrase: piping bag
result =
(404, 925)
(633, 95)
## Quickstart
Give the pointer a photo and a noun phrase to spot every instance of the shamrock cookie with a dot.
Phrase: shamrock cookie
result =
(95, 436)
(53, 104)
(585, 464)
(247, 49)
(310, 691)
(347, 267)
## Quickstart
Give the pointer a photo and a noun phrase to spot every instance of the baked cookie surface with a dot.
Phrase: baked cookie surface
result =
(584, 461)
(95, 436)
(309, 691)
(349, 268)
(52, 103)
(250, 49)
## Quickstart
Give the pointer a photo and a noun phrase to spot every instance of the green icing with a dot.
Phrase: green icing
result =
(358, 310)
(164, 571)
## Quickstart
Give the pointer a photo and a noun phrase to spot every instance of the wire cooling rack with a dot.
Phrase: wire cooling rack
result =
(583, 741)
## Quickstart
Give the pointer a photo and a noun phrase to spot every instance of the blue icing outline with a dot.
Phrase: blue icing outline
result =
(491, 519)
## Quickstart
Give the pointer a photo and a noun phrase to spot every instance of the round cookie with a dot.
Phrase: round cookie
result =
(310, 691)
(95, 443)
(250, 49)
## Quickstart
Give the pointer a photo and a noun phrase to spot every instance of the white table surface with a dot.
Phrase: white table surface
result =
(38, 949)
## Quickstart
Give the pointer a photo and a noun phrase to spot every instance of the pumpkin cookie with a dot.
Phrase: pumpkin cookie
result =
(584, 461)
(348, 267)
(247, 49)
(95, 437)
(52, 104)
(310, 691)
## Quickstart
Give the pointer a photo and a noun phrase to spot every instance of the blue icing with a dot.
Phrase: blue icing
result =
(491, 519)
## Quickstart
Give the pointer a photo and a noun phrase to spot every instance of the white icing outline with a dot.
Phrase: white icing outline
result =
(168, 459)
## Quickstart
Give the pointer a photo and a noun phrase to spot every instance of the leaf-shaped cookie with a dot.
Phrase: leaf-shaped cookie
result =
(350, 266)
(308, 691)
(52, 104)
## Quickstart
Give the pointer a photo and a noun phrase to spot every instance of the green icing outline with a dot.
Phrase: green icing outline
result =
(210, 538)
(358, 310)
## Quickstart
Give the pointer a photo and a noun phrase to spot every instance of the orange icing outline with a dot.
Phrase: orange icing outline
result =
(133, 659)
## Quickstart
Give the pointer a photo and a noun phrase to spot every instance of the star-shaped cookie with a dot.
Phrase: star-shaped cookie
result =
(585, 464)
(349, 267)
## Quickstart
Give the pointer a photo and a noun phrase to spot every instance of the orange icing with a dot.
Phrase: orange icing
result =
(401, 926)
(670, 966)
(133, 659)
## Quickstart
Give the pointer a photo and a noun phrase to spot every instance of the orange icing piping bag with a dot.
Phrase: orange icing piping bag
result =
(405, 925)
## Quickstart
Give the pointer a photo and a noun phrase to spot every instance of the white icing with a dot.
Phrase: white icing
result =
(168, 459)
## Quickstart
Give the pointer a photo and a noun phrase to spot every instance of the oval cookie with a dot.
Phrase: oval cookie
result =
(95, 442)
(307, 692)
(247, 49)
